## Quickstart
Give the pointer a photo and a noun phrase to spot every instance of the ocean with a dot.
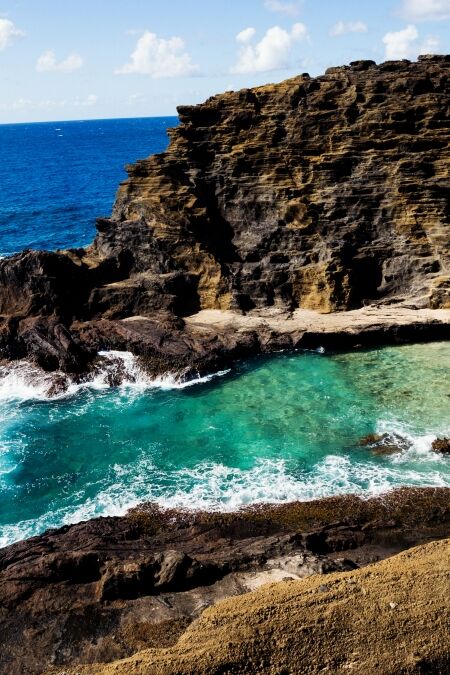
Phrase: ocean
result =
(271, 429)
(56, 178)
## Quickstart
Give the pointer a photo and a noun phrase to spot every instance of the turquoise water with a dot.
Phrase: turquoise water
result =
(272, 429)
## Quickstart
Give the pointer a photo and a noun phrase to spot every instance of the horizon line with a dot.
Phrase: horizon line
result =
(90, 119)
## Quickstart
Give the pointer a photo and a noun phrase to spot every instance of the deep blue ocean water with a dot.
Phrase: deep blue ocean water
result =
(57, 177)
(272, 429)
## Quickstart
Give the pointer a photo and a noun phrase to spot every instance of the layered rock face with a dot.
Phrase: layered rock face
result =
(320, 193)
(323, 194)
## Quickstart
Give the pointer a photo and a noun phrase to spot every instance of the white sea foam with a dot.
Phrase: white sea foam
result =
(417, 446)
(171, 381)
(21, 380)
(214, 487)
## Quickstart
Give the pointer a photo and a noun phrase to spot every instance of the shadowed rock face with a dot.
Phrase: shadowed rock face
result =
(326, 194)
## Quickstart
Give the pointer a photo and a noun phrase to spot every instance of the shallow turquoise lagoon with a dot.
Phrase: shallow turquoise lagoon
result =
(272, 429)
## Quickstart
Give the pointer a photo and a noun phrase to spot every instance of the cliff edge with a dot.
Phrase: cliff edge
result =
(319, 194)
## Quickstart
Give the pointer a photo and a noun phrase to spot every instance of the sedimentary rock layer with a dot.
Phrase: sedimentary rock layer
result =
(318, 193)
(324, 194)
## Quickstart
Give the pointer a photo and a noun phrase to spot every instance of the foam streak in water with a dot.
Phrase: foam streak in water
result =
(216, 487)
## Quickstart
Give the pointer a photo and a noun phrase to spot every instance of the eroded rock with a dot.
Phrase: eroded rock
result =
(385, 444)
(326, 194)
(168, 571)
(441, 445)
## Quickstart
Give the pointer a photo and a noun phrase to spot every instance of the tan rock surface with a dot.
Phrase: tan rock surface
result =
(302, 320)
(389, 618)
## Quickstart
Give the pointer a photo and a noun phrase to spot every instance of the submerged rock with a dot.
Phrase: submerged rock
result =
(385, 444)
(371, 439)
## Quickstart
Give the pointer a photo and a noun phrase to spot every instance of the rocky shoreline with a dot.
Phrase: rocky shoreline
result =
(104, 589)
(311, 213)
(210, 341)
(391, 617)
(251, 213)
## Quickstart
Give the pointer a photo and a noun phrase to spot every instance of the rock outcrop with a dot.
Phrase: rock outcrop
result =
(104, 589)
(324, 194)
(392, 617)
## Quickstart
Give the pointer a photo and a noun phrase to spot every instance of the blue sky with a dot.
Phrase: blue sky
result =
(110, 58)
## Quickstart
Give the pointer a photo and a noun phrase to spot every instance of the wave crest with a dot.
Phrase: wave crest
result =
(24, 381)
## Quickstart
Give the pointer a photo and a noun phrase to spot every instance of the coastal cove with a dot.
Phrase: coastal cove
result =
(273, 429)
(243, 379)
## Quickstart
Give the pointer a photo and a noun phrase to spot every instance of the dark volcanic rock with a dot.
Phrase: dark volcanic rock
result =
(385, 444)
(324, 193)
(101, 590)
(318, 193)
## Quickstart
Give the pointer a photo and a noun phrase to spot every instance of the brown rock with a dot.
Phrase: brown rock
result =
(325, 194)
(384, 444)
(100, 590)
(371, 439)
(441, 445)
(390, 618)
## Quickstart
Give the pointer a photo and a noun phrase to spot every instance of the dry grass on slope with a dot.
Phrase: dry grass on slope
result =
(392, 617)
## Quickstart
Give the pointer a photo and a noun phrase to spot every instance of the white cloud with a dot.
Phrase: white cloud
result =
(86, 102)
(400, 44)
(49, 103)
(405, 44)
(430, 45)
(8, 33)
(272, 52)
(47, 63)
(289, 8)
(245, 35)
(426, 10)
(158, 57)
(342, 27)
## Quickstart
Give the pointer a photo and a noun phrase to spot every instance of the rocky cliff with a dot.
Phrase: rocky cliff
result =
(324, 194)
(321, 193)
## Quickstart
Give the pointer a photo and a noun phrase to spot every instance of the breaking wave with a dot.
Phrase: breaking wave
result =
(22, 380)
(216, 487)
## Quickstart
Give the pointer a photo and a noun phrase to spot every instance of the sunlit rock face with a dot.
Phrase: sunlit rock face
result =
(321, 194)
(324, 193)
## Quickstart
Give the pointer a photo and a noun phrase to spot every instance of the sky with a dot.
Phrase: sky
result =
(88, 59)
